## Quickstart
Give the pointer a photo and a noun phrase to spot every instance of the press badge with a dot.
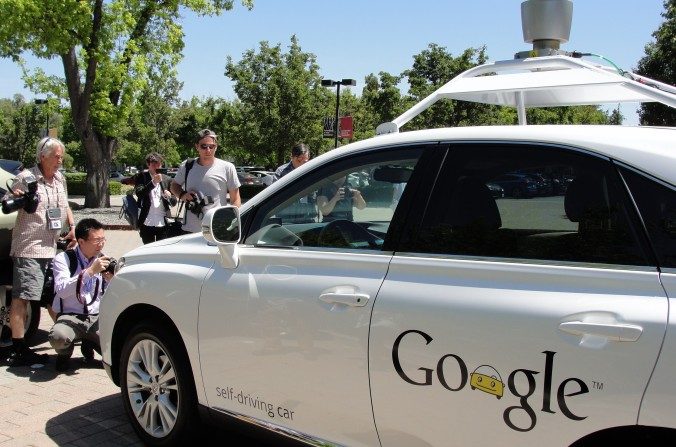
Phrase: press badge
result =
(54, 218)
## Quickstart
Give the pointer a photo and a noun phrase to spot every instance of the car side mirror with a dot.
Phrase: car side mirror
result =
(221, 225)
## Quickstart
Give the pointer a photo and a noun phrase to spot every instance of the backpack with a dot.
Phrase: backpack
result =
(130, 210)
(47, 297)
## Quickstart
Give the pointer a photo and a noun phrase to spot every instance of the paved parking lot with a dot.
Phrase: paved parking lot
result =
(41, 407)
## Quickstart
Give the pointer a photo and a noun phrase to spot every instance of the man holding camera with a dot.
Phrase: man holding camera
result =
(207, 184)
(152, 190)
(80, 278)
(40, 196)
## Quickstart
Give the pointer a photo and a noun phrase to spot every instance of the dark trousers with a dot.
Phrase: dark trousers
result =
(152, 234)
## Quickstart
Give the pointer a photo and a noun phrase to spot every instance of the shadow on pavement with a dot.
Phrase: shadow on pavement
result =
(101, 421)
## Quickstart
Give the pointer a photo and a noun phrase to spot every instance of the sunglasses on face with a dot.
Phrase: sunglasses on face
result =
(208, 146)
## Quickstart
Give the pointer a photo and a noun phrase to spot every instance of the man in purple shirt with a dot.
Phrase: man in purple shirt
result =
(77, 295)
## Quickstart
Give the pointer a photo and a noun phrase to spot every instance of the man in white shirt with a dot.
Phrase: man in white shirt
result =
(208, 183)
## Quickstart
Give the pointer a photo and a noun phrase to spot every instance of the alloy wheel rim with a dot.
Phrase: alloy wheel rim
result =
(152, 388)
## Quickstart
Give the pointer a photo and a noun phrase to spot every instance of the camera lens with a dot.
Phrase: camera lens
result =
(11, 205)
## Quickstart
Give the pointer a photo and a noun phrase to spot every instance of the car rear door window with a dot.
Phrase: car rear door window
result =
(556, 204)
(656, 202)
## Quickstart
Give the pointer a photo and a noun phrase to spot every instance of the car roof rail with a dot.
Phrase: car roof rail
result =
(546, 81)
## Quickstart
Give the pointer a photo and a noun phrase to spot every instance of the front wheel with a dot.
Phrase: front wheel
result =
(157, 387)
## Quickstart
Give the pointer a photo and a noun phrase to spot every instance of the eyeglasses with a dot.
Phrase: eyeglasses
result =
(97, 240)
(208, 146)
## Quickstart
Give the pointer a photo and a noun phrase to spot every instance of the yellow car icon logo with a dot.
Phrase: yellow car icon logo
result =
(485, 378)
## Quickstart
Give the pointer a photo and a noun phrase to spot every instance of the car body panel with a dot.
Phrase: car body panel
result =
(163, 275)
(267, 334)
(658, 403)
(508, 316)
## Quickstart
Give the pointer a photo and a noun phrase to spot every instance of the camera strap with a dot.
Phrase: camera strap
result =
(78, 289)
(188, 166)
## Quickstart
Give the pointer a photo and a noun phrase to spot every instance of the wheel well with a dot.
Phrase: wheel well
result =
(630, 434)
(126, 321)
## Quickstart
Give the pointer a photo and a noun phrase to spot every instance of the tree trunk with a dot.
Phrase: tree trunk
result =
(99, 151)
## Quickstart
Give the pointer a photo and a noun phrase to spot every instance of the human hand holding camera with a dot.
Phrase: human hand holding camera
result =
(103, 264)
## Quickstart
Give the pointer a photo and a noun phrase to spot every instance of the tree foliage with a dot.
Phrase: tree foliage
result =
(108, 50)
(280, 102)
(659, 63)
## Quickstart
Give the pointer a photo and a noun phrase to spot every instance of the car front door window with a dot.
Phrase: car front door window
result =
(348, 206)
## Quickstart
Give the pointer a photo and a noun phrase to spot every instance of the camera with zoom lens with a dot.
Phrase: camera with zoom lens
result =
(161, 170)
(28, 200)
(347, 192)
(111, 266)
(198, 202)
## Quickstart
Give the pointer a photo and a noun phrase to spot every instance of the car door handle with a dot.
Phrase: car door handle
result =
(349, 299)
(611, 331)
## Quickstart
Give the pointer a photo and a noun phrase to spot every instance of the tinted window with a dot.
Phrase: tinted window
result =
(348, 204)
(657, 204)
(532, 202)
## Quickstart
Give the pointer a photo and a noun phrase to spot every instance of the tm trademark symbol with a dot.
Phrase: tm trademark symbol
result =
(597, 385)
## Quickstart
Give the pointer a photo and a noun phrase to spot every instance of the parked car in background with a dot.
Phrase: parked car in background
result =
(117, 176)
(11, 166)
(496, 190)
(518, 186)
(247, 178)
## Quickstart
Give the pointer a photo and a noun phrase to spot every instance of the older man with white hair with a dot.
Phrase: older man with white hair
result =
(42, 218)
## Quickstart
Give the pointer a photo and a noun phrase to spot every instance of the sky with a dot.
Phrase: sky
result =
(353, 38)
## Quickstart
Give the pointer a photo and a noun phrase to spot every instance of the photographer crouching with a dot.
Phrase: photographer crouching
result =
(80, 278)
(40, 196)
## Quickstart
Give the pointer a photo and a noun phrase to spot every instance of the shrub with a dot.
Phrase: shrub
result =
(77, 185)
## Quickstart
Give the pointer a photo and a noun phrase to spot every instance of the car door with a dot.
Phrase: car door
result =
(656, 201)
(283, 337)
(516, 321)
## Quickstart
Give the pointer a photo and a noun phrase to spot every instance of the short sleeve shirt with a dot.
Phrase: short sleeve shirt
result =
(31, 236)
(213, 181)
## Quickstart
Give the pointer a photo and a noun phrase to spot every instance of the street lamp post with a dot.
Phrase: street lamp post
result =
(43, 102)
(331, 83)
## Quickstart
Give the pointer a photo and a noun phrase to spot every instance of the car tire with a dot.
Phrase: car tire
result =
(32, 317)
(162, 412)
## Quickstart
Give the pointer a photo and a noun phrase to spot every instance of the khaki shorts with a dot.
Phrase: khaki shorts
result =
(29, 278)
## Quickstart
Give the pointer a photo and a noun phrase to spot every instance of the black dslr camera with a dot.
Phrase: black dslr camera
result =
(162, 170)
(111, 266)
(28, 200)
(198, 202)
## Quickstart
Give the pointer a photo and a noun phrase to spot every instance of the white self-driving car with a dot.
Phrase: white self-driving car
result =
(418, 307)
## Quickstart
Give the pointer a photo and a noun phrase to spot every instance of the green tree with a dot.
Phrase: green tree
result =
(382, 102)
(21, 124)
(431, 69)
(280, 102)
(107, 49)
(659, 63)
(152, 123)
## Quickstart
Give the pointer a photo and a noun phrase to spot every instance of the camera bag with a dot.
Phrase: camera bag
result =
(47, 297)
(174, 225)
(130, 211)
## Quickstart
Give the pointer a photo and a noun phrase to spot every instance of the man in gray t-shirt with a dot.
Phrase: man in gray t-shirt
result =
(210, 179)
